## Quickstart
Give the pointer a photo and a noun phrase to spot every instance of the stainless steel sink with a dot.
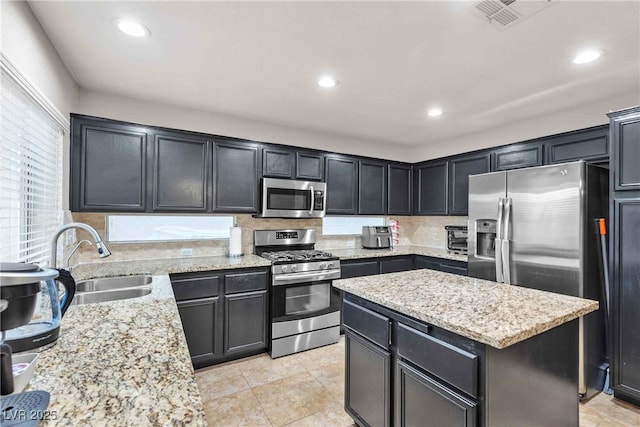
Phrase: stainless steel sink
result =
(112, 283)
(110, 295)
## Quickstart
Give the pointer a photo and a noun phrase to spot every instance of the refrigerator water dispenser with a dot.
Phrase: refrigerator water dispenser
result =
(486, 238)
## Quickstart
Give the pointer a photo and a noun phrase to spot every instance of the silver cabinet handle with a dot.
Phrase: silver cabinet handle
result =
(506, 245)
(498, 242)
(312, 199)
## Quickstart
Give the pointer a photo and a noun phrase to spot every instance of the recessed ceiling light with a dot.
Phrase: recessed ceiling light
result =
(132, 28)
(587, 56)
(327, 81)
(434, 112)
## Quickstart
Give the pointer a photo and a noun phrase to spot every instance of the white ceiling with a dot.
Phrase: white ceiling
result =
(394, 60)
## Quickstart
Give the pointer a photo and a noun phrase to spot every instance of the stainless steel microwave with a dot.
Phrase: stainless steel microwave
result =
(284, 198)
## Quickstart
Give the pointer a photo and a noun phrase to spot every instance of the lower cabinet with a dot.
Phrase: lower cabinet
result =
(358, 268)
(224, 313)
(396, 264)
(441, 264)
(367, 381)
(420, 398)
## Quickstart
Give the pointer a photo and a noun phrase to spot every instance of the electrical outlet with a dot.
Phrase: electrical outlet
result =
(186, 252)
(351, 244)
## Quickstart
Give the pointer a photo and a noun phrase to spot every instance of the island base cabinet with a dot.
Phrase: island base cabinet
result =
(367, 381)
(421, 401)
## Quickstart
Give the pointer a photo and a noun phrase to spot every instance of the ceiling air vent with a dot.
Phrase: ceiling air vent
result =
(502, 14)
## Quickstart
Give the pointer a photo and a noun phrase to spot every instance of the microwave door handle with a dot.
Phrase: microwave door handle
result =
(378, 241)
(498, 242)
(506, 246)
(312, 200)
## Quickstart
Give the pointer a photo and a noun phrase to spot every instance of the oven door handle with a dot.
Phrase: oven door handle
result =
(287, 279)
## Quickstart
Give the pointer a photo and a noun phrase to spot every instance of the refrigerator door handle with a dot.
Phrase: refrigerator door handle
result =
(498, 242)
(506, 246)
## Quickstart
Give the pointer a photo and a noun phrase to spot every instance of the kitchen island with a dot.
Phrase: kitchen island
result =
(432, 348)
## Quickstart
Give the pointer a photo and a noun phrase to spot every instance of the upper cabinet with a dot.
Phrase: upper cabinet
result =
(372, 188)
(399, 189)
(181, 165)
(342, 185)
(517, 156)
(277, 163)
(309, 166)
(460, 168)
(430, 188)
(625, 131)
(108, 166)
(589, 144)
(236, 177)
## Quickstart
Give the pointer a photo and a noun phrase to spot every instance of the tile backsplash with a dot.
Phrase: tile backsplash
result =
(415, 230)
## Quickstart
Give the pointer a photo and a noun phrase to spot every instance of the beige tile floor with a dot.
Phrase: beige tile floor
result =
(307, 390)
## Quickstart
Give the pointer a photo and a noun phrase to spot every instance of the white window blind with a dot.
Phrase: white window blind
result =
(166, 228)
(30, 174)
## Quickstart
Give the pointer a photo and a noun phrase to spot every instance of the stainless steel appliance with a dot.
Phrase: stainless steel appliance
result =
(533, 227)
(304, 306)
(457, 239)
(284, 198)
(374, 237)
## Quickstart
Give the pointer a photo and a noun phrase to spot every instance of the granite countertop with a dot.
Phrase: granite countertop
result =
(121, 363)
(165, 266)
(436, 252)
(492, 313)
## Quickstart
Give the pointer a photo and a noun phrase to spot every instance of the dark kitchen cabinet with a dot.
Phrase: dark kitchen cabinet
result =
(430, 188)
(372, 188)
(309, 166)
(396, 263)
(358, 268)
(236, 172)
(441, 264)
(459, 170)
(624, 230)
(201, 320)
(420, 398)
(224, 313)
(277, 163)
(399, 190)
(517, 156)
(108, 166)
(181, 165)
(342, 185)
(367, 381)
(588, 144)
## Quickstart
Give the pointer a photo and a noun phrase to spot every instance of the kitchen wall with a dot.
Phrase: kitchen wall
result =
(417, 230)
(24, 43)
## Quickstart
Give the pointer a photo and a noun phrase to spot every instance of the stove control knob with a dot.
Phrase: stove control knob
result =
(323, 265)
(294, 268)
(330, 265)
(285, 268)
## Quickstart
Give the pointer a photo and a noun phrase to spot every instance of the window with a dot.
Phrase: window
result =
(164, 228)
(347, 225)
(30, 170)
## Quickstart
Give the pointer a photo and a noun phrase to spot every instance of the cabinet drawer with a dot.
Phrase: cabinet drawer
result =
(195, 287)
(359, 269)
(451, 364)
(396, 264)
(367, 323)
(246, 281)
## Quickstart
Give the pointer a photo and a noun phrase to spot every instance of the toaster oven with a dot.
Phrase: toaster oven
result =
(457, 239)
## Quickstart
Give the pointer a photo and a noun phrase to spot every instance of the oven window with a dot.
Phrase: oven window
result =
(307, 298)
(288, 199)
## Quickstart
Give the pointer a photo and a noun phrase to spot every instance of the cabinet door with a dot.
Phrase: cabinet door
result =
(309, 166)
(626, 306)
(626, 152)
(342, 185)
(420, 398)
(235, 178)
(108, 166)
(201, 320)
(430, 189)
(245, 325)
(277, 163)
(459, 181)
(423, 262)
(372, 188)
(396, 263)
(181, 166)
(452, 267)
(399, 190)
(591, 144)
(517, 156)
(358, 268)
(367, 381)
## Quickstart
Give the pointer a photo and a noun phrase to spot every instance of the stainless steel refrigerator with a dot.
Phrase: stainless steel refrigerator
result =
(534, 227)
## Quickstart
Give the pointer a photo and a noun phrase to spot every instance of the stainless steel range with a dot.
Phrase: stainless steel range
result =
(305, 308)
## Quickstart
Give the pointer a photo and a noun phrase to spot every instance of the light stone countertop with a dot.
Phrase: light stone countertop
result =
(492, 313)
(356, 253)
(121, 363)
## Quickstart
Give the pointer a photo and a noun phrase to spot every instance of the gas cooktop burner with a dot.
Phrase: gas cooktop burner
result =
(297, 256)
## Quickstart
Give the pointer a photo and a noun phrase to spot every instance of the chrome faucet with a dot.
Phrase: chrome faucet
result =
(103, 251)
(67, 261)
